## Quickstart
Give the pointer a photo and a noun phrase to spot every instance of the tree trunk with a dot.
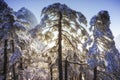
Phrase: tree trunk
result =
(13, 66)
(66, 70)
(60, 47)
(80, 76)
(5, 60)
(21, 63)
(51, 73)
(20, 77)
(95, 74)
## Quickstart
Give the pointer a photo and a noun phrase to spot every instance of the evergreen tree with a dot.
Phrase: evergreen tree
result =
(103, 52)
(62, 31)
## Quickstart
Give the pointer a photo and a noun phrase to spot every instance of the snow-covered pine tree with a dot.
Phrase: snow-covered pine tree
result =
(62, 31)
(103, 53)
(11, 29)
(26, 17)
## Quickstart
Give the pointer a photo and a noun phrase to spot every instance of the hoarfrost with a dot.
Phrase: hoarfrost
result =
(16, 55)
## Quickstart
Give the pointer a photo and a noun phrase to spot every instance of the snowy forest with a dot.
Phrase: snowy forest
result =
(63, 46)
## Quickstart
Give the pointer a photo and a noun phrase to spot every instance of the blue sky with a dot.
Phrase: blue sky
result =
(88, 7)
